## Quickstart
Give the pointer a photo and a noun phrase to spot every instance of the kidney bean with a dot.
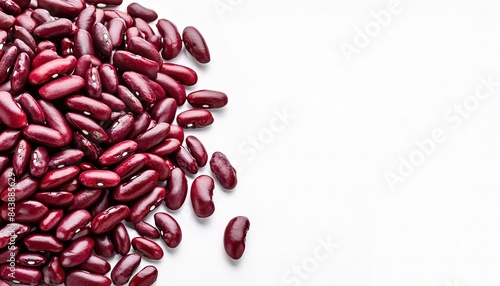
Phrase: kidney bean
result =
(132, 32)
(22, 190)
(166, 148)
(4, 161)
(109, 218)
(51, 220)
(25, 21)
(56, 121)
(145, 49)
(147, 248)
(139, 87)
(20, 73)
(156, 40)
(207, 99)
(72, 224)
(54, 29)
(164, 110)
(129, 99)
(23, 275)
(152, 137)
(67, 8)
(195, 44)
(146, 230)
(23, 48)
(109, 79)
(195, 118)
(158, 164)
(116, 28)
(95, 264)
(86, 18)
(120, 239)
(223, 171)
(145, 29)
(9, 252)
(80, 277)
(172, 88)
(9, 139)
(101, 203)
(84, 63)
(87, 127)
(126, 61)
(58, 177)
(136, 10)
(182, 74)
(124, 269)
(185, 161)
(136, 187)
(10, 113)
(21, 157)
(88, 106)
(67, 46)
(42, 243)
(93, 87)
(65, 158)
(170, 230)
(61, 87)
(44, 45)
(201, 196)
(77, 252)
(10, 7)
(7, 61)
(6, 21)
(25, 211)
(141, 124)
(90, 150)
(102, 40)
(55, 199)
(235, 236)
(31, 259)
(55, 271)
(140, 208)
(197, 149)
(120, 129)
(7, 178)
(14, 231)
(25, 36)
(85, 198)
(103, 246)
(44, 56)
(147, 276)
(32, 109)
(117, 153)
(130, 166)
(172, 43)
(99, 179)
(176, 189)
(51, 69)
(41, 16)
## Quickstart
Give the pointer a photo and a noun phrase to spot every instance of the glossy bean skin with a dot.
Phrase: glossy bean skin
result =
(42, 243)
(6, 21)
(20, 73)
(8, 59)
(21, 157)
(235, 236)
(84, 63)
(147, 248)
(120, 129)
(7, 253)
(22, 189)
(152, 137)
(80, 277)
(72, 224)
(54, 199)
(172, 43)
(25, 211)
(126, 61)
(103, 246)
(113, 102)
(141, 123)
(197, 150)
(124, 269)
(44, 136)
(85, 198)
(120, 239)
(62, 87)
(41, 16)
(51, 220)
(196, 45)
(68, 9)
(170, 230)
(30, 259)
(88, 106)
(89, 128)
(55, 178)
(182, 74)
(164, 111)
(65, 158)
(146, 204)
(223, 171)
(95, 264)
(77, 252)
(86, 18)
(177, 189)
(32, 109)
(185, 161)
(147, 276)
(90, 150)
(55, 271)
(109, 218)
(118, 152)
(167, 147)
(13, 231)
(172, 88)
(67, 46)
(132, 102)
(195, 118)
(10, 113)
(9, 139)
(83, 43)
(54, 29)
(102, 40)
(22, 47)
(56, 121)
(202, 191)
(207, 99)
(45, 45)
(146, 230)
(101, 179)
(24, 275)
(144, 48)
(130, 166)
(93, 86)
(51, 69)
(158, 164)
(116, 28)
(139, 86)
(136, 10)
(136, 187)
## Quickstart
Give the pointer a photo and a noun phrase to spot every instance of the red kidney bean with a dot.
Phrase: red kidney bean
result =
(131, 166)
(172, 88)
(130, 33)
(9, 139)
(197, 149)
(51, 220)
(89, 107)
(146, 230)
(170, 230)
(20, 73)
(108, 219)
(146, 204)
(185, 161)
(177, 189)
(90, 150)
(147, 248)
(139, 86)
(195, 118)
(32, 109)
(44, 56)
(124, 269)
(22, 190)
(166, 148)
(14, 231)
(77, 252)
(9, 252)
(113, 102)
(85, 198)
(158, 164)
(201, 196)
(67, 46)
(44, 46)
(42, 243)
(144, 48)
(136, 187)
(6, 21)
(120, 239)
(55, 178)
(152, 137)
(66, 8)
(25, 211)
(65, 158)
(93, 87)
(235, 236)
(80, 277)
(72, 224)
(164, 111)
(7, 61)
(147, 276)
(120, 128)
(51, 69)
(6, 179)
(102, 40)
(61, 87)
(144, 27)
(84, 63)
(54, 29)
(55, 271)
(4, 161)
(86, 19)
(25, 36)
(126, 61)
(10, 7)
(21, 157)
(54, 199)
(25, 21)
(103, 246)
(141, 124)
(116, 28)
(129, 99)
(95, 264)
(23, 275)
(182, 74)
(172, 43)
(56, 121)
(87, 127)
(10, 113)
(223, 171)
(156, 40)
(31, 259)
(195, 44)
(109, 78)
(118, 152)
(136, 10)
(207, 99)
(101, 179)
(41, 16)
(102, 203)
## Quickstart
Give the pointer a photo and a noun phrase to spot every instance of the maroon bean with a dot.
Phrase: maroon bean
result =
(207, 99)
(116, 28)
(86, 19)
(55, 271)
(9, 139)
(146, 230)
(146, 204)
(103, 246)
(144, 48)
(235, 236)
(6, 21)
(223, 171)
(130, 166)
(164, 111)
(87, 127)
(25, 36)
(182, 74)
(20, 73)
(124, 269)
(4, 161)
(130, 33)
(141, 124)
(41, 16)
(84, 63)
(51, 69)
(90, 150)
(72, 224)
(67, 46)
(139, 86)
(93, 87)
(136, 10)
(120, 128)
(195, 118)
(88, 106)
(99, 179)
(118, 152)
(42, 243)
(31, 259)
(120, 239)
(146, 277)
(170, 230)
(102, 40)
(14, 231)
(54, 29)
(109, 218)
(22, 190)
(68, 8)
(166, 148)
(56, 121)
(102, 203)
(129, 99)
(45, 56)
(55, 178)
(95, 264)
(152, 137)
(144, 27)
(61, 87)
(23, 4)
(44, 136)
(177, 189)
(195, 44)
(55, 199)
(23, 275)
(85, 198)
(147, 248)
(10, 113)
(77, 252)
(158, 164)
(109, 79)
(80, 277)
(185, 161)
(65, 158)
(9, 252)
(25, 211)
(21, 157)
(172, 88)
(126, 61)
(10, 7)
(7, 61)
(51, 220)
(201, 196)
(136, 187)
(156, 40)
(23, 48)
(172, 43)
(197, 149)
(32, 109)
(45, 45)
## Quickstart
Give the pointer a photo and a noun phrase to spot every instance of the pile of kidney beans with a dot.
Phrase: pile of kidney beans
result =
(89, 146)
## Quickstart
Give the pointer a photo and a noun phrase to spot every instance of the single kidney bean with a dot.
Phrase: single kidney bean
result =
(202, 191)
(120, 129)
(196, 45)
(51, 220)
(54, 199)
(80, 277)
(158, 164)
(146, 230)
(67, 8)
(126, 61)
(65, 158)
(7, 61)
(9, 139)
(223, 170)
(88, 106)
(14, 231)
(95, 264)
(32, 109)
(177, 189)
(23, 275)
(41, 16)
(130, 166)
(145, 29)
(147, 248)
(197, 149)
(167, 147)
(139, 86)
(77, 252)
(195, 118)
(25, 21)
(25, 211)
(61, 87)
(109, 79)
(90, 150)
(83, 233)
(172, 88)
(141, 123)
(102, 203)
(172, 43)
(54, 29)
(164, 111)
(152, 137)
(31, 259)
(25, 36)
(207, 99)
(120, 239)
(84, 63)
(182, 74)
(132, 102)
(136, 187)
(44, 45)
(10, 113)
(51, 69)
(93, 87)
(116, 28)
(72, 224)
(58, 177)
(136, 10)
(185, 161)
(21, 157)
(42, 243)
(83, 43)
(124, 269)
(140, 208)
(103, 246)
(23, 48)
(56, 120)
(170, 230)
(85, 199)
(22, 190)
(101, 179)
(144, 48)
(86, 18)
(113, 102)
(6, 21)
(20, 73)
(109, 218)
(235, 236)
(87, 127)
(147, 276)
(102, 40)
(55, 271)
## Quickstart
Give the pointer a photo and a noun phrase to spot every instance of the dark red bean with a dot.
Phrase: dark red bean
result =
(172, 88)
(87, 127)
(197, 149)
(126, 61)
(185, 161)
(80, 277)
(120, 128)
(65, 158)
(85, 198)
(116, 28)
(99, 179)
(129, 99)
(93, 86)
(51, 69)
(77, 252)
(7, 61)
(177, 189)
(102, 40)
(44, 136)
(90, 150)
(164, 111)
(102, 203)
(109, 78)
(182, 74)
(195, 118)
(144, 48)
(223, 171)
(55, 178)
(67, 46)
(45, 56)
(113, 102)
(23, 275)
(10, 113)
(41, 16)
(170, 230)
(152, 137)
(147, 248)
(42, 243)
(6, 21)
(131, 166)
(141, 123)
(72, 224)
(207, 99)
(55, 199)
(124, 269)
(158, 164)
(109, 218)
(118, 152)
(14, 231)
(25, 211)
(86, 19)
(23, 48)
(146, 230)
(84, 63)
(9, 139)
(146, 277)
(4, 161)
(25, 36)
(22, 190)
(235, 236)
(51, 220)
(144, 27)
(136, 10)
(55, 271)
(130, 33)
(21, 157)
(20, 73)
(166, 148)
(103, 246)
(68, 8)
(172, 43)
(31, 259)
(44, 45)
(156, 40)
(25, 21)
(139, 86)
(95, 264)
(32, 109)
(88, 106)
(146, 204)
(61, 87)
(54, 29)
(136, 187)
(121, 239)
(56, 121)
(201, 196)
(195, 44)
(7, 253)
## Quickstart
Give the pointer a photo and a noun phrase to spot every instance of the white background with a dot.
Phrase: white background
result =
(322, 174)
